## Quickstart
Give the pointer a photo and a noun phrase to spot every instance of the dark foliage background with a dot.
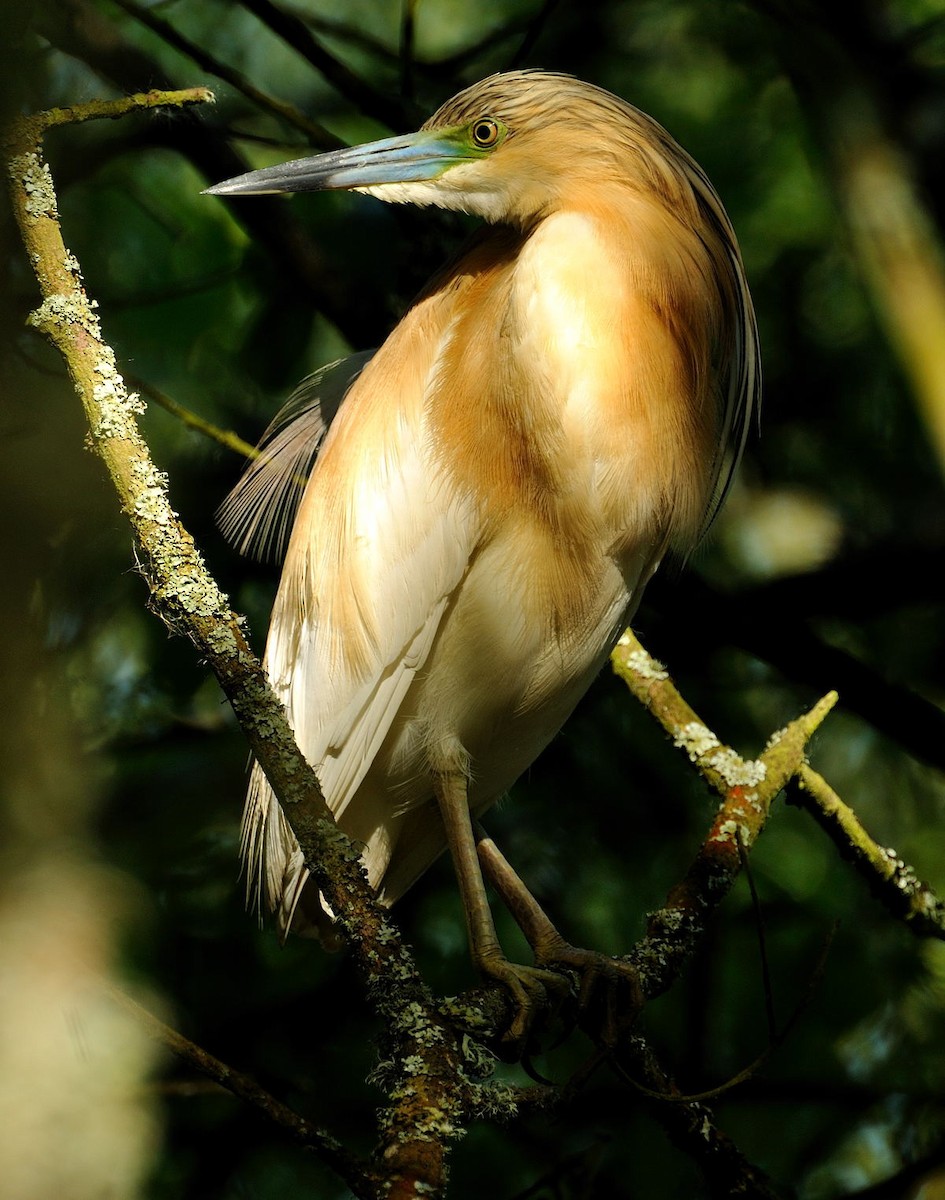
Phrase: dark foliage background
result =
(825, 571)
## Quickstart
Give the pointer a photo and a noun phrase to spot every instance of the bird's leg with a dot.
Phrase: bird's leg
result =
(529, 987)
(619, 978)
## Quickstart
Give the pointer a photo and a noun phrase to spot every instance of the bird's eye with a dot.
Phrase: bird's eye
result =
(485, 133)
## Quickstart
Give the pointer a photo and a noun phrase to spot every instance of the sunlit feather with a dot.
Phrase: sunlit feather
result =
(258, 515)
(563, 404)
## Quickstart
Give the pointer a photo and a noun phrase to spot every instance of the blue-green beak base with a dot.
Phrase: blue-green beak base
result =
(409, 159)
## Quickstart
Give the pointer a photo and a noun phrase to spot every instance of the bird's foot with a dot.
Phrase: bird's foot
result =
(534, 991)
(608, 989)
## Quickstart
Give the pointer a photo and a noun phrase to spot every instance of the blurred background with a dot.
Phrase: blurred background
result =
(123, 771)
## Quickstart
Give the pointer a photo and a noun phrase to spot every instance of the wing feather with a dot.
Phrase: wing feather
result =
(258, 514)
(375, 556)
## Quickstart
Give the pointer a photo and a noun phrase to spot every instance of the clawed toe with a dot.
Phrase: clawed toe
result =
(609, 996)
(535, 992)
(604, 992)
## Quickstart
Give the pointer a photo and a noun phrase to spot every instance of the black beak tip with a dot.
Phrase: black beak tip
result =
(221, 189)
(225, 188)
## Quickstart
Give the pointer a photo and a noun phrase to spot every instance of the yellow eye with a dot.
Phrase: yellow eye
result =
(485, 133)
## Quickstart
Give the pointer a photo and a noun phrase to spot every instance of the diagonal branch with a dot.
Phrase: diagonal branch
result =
(78, 29)
(247, 1089)
(894, 882)
(431, 1097)
(891, 880)
(747, 788)
(389, 110)
(317, 134)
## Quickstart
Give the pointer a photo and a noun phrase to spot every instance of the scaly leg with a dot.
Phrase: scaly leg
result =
(530, 987)
(551, 949)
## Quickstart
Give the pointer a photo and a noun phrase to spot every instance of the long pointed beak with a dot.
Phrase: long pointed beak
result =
(409, 159)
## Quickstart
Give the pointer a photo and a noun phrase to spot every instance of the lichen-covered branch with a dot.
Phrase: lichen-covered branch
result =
(893, 881)
(691, 1126)
(890, 879)
(185, 594)
(747, 788)
(431, 1095)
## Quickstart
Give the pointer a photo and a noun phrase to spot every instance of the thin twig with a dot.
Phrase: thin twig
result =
(247, 1089)
(389, 110)
(26, 132)
(225, 437)
(316, 134)
(762, 943)
(890, 879)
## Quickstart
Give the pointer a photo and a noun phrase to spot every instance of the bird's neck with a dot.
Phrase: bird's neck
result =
(579, 373)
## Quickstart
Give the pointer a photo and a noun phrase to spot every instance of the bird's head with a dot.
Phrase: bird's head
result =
(505, 149)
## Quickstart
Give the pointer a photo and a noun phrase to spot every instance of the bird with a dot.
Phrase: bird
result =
(489, 492)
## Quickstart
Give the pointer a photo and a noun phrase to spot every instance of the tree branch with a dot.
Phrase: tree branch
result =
(247, 1089)
(430, 1094)
(389, 110)
(891, 880)
(78, 29)
(691, 1127)
(747, 789)
(316, 134)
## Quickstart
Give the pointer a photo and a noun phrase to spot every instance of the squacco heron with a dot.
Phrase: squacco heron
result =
(563, 405)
